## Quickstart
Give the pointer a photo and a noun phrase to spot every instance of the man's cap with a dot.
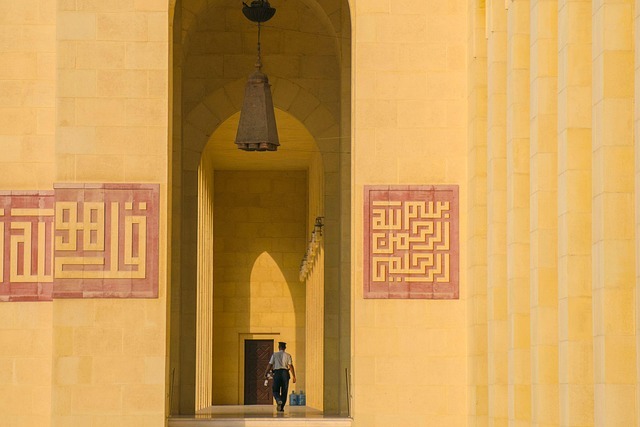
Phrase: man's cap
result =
(282, 344)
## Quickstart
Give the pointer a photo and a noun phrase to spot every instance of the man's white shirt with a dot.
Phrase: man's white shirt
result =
(281, 360)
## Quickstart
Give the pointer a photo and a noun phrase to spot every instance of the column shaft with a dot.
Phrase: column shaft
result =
(544, 217)
(575, 341)
(204, 295)
(497, 338)
(613, 238)
(477, 241)
(518, 205)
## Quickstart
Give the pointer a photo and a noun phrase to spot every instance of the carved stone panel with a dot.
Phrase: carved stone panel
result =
(411, 247)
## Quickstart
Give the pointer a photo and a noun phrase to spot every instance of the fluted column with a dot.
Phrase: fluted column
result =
(613, 214)
(204, 296)
(544, 215)
(575, 341)
(518, 213)
(497, 338)
(477, 219)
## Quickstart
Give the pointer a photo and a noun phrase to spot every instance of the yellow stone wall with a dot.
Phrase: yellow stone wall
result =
(27, 147)
(260, 229)
(83, 98)
(111, 126)
(410, 127)
(25, 364)
(27, 94)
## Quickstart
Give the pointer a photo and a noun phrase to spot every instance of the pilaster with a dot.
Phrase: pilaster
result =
(518, 205)
(543, 213)
(497, 338)
(477, 214)
(575, 340)
(613, 214)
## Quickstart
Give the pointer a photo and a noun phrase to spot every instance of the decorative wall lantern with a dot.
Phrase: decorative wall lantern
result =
(317, 227)
(257, 127)
(312, 250)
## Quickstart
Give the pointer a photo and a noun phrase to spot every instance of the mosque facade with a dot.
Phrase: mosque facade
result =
(447, 234)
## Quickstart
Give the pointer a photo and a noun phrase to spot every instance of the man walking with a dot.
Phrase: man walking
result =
(281, 363)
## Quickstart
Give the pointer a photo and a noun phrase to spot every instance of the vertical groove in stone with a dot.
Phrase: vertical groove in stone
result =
(204, 314)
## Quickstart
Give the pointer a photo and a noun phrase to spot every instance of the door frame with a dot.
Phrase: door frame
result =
(241, 339)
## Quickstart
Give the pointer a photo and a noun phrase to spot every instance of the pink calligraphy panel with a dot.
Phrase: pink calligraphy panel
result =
(26, 245)
(106, 241)
(411, 241)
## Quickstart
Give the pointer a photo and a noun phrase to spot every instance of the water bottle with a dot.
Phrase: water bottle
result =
(302, 399)
(293, 399)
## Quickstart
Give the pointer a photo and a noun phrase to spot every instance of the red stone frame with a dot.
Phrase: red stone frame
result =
(80, 241)
(26, 237)
(122, 215)
(411, 242)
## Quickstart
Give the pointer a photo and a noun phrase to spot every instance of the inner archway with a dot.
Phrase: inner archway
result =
(306, 52)
(260, 221)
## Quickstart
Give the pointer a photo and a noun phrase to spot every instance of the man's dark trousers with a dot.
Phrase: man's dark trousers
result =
(280, 385)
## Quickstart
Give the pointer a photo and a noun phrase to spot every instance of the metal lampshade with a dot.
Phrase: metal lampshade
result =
(257, 129)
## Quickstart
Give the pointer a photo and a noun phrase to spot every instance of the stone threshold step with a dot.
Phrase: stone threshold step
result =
(260, 422)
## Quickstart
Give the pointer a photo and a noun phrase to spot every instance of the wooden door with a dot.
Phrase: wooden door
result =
(256, 358)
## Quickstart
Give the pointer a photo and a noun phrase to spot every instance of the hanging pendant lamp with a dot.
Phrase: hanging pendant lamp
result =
(257, 127)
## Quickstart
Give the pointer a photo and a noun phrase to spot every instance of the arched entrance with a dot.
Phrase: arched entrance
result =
(258, 216)
(306, 54)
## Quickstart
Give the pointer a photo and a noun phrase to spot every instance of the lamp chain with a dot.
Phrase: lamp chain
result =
(259, 63)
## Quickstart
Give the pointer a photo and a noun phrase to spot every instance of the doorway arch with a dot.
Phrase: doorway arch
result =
(205, 97)
(258, 210)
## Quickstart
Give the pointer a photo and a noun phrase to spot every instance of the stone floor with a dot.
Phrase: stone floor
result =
(259, 416)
